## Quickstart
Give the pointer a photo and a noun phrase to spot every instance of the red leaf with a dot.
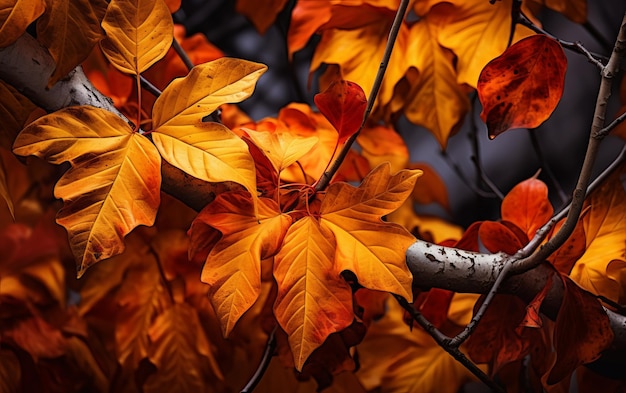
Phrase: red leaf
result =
(343, 103)
(532, 318)
(497, 237)
(582, 331)
(527, 206)
(522, 87)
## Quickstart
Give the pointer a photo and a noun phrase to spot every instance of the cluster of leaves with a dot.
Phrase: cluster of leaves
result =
(274, 254)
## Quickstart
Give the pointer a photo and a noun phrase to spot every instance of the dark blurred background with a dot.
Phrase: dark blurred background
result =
(506, 160)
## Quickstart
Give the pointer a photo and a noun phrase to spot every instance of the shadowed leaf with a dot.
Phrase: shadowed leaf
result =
(15, 16)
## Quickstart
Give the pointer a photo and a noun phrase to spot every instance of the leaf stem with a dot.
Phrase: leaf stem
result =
(327, 176)
(270, 347)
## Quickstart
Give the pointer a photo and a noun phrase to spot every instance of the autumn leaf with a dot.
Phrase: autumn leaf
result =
(581, 333)
(373, 250)
(261, 14)
(15, 16)
(4, 189)
(282, 148)
(343, 103)
(575, 10)
(600, 269)
(208, 151)
(14, 112)
(430, 187)
(527, 206)
(564, 258)
(434, 86)
(313, 300)
(113, 184)
(180, 351)
(522, 87)
(139, 33)
(383, 144)
(233, 266)
(496, 237)
(477, 32)
(187, 100)
(70, 29)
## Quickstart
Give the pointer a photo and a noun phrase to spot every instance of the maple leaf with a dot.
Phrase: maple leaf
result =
(372, 249)
(233, 266)
(477, 31)
(313, 300)
(600, 269)
(522, 87)
(113, 184)
(70, 29)
(343, 103)
(180, 352)
(527, 206)
(129, 25)
(16, 16)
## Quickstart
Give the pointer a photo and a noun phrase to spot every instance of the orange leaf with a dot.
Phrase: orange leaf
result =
(373, 250)
(14, 112)
(601, 268)
(180, 352)
(113, 184)
(527, 206)
(522, 87)
(70, 29)
(233, 267)
(430, 188)
(343, 103)
(581, 333)
(564, 258)
(383, 144)
(15, 16)
(139, 33)
(313, 300)
(261, 14)
(532, 318)
(575, 10)
(282, 148)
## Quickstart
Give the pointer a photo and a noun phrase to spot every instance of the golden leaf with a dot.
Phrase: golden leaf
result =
(372, 249)
(313, 300)
(15, 16)
(282, 148)
(114, 182)
(139, 33)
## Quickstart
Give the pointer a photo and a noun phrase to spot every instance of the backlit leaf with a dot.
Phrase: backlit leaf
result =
(114, 182)
(70, 29)
(522, 87)
(282, 148)
(527, 206)
(15, 16)
(139, 33)
(605, 225)
(233, 267)
(313, 300)
(187, 100)
(343, 103)
(477, 31)
(372, 249)
(208, 151)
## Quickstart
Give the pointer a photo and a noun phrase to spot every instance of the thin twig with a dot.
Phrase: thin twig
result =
(457, 169)
(270, 347)
(595, 138)
(391, 40)
(444, 341)
(544, 165)
(590, 57)
(150, 88)
(575, 47)
(488, 182)
(619, 119)
(182, 54)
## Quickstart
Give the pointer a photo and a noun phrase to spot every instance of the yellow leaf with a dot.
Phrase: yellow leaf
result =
(208, 151)
(313, 300)
(70, 29)
(605, 226)
(436, 101)
(187, 100)
(477, 32)
(15, 16)
(282, 148)
(372, 249)
(180, 352)
(233, 266)
(114, 182)
(139, 33)
(400, 360)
